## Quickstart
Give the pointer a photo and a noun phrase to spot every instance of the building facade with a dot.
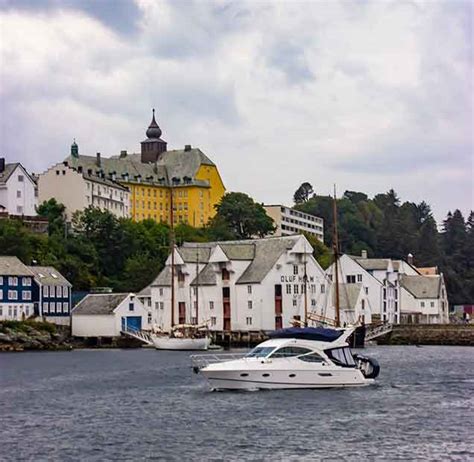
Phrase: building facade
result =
(18, 192)
(383, 283)
(77, 189)
(107, 315)
(158, 178)
(16, 290)
(289, 221)
(52, 294)
(252, 285)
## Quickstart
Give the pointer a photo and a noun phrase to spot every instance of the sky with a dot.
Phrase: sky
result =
(365, 95)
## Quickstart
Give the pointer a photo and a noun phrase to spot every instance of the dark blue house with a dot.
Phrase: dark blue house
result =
(51, 294)
(16, 289)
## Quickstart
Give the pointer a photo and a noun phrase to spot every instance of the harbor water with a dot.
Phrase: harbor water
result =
(129, 405)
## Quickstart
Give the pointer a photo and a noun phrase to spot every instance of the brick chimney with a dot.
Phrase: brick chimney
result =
(98, 159)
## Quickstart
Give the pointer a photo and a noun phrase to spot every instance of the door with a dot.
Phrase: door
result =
(182, 313)
(133, 322)
(278, 322)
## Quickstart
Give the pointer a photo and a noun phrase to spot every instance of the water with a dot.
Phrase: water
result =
(127, 405)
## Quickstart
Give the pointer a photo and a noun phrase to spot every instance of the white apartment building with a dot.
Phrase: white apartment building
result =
(393, 289)
(289, 221)
(17, 190)
(251, 285)
(78, 189)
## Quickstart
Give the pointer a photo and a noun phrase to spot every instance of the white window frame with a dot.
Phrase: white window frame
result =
(27, 282)
(249, 304)
(27, 295)
(12, 281)
(12, 295)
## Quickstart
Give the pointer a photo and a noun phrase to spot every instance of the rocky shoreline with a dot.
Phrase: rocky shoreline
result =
(31, 335)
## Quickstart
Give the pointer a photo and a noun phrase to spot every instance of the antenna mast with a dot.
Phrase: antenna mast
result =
(336, 258)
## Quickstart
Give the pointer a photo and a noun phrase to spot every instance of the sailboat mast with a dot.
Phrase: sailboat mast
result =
(336, 258)
(197, 285)
(305, 277)
(172, 244)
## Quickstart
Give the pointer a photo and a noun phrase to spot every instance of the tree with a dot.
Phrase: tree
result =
(243, 217)
(55, 212)
(303, 193)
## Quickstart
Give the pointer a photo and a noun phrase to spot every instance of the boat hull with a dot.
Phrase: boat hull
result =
(280, 380)
(177, 343)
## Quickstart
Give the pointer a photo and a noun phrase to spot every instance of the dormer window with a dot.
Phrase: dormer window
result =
(225, 274)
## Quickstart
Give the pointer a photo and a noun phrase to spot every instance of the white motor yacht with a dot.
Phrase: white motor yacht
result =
(293, 358)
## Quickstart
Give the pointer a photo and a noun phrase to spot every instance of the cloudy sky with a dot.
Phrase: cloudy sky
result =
(367, 95)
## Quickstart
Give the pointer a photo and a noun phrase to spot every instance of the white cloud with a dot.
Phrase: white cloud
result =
(369, 95)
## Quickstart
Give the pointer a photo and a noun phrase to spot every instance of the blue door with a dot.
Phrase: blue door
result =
(133, 322)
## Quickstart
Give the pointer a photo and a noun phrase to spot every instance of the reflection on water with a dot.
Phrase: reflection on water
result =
(146, 405)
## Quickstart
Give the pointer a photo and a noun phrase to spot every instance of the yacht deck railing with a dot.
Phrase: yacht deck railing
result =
(200, 361)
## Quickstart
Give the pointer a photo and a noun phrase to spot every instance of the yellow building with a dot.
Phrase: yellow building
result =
(154, 174)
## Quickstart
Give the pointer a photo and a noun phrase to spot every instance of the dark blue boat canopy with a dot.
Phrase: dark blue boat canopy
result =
(308, 333)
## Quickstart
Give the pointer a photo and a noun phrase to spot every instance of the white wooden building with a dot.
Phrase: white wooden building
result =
(381, 280)
(18, 192)
(250, 285)
(106, 315)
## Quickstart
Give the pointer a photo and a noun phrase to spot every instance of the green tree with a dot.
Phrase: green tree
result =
(55, 212)
(303, 193)
(244, 217)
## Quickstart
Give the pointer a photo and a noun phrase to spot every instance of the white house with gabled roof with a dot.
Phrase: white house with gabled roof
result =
(249, 285)
(18, 192)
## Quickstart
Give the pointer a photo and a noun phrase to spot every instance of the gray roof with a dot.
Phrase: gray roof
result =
(370, 264)
(177, 163)
(164, 278)
(267, 252)
(207, 276)
(47, 275)
(261, 253)
(99, 304)
(348, 295)
(13, 266)
(9, 169)
(421, 286)
(145, 292)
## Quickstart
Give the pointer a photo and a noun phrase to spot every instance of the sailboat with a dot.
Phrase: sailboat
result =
(181, 336)
(295, 357)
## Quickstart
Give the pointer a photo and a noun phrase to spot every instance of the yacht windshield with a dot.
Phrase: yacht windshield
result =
(288, 352)
(341, 356)
(260, 352)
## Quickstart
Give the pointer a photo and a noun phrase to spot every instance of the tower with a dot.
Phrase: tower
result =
(153, 146)
(74, 149)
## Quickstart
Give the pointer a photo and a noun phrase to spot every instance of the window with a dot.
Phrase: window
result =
(27, 295)
(65, 307)
(366, 291)
(13, 281)
(131, 306)
(249, 289)
(350, 279)
(249, 304)
(180, 276)
(1, 294)
(313, 302)
(162, 305)
(211, 305)
(323, 288)
(65, 291)
(1, 280)
(432, 304)
(384, 306)
(359, 278)
(149, 318)
(260, 352)
(20, 178)
(18, 194)
(161, 291)
(295, 269)
(288, 352)
(288, 288)
(341, 356)
(248, 321)
(422, 304)
(396, 306)
(59, 291)
(213, 321)
(362, 304)
(27, 282)
(45, 307)
(12, 295)
(313, 288)
(385, 293)
(225, 274)
(295, 288)
(312, 358)
(396, 294)
(52, 307)
(295, 303)
(45, 291)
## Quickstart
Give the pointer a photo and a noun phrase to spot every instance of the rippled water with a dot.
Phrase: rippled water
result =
(100, 405)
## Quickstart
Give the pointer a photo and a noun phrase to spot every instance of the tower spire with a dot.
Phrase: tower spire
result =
(154, 131)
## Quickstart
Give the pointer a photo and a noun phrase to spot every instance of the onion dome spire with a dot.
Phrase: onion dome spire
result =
(154, 131)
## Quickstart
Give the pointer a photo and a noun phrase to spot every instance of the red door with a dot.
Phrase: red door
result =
(182, 312)
(278, 322)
